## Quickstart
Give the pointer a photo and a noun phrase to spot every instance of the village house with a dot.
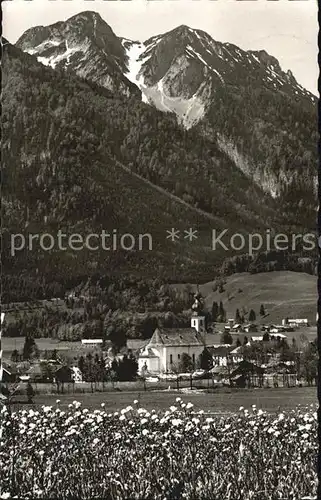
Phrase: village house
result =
(297, 322)
(92, 342)
(226, 354)
(277, 329)
(250, 328)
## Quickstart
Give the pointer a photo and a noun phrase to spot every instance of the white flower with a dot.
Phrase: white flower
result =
(136, 402)
(57, 401)
(176, 422)
(102, 405)
(189, 405)
(178, 400)
(143, 421)
(173, 408)
(145, 432)
(122, 417)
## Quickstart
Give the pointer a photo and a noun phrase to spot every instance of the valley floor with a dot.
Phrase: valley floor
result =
(221, 401)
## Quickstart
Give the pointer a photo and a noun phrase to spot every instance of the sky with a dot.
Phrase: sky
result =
(286, 29)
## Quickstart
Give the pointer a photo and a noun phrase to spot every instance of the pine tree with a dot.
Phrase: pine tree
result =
(252, 315)
(237, 316)
(262, 310)
(215, 311)
(30, 348)
(221, 313)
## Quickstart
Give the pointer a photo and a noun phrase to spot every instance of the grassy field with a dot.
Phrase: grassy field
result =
(221, 401)
(283, 293)
(66, 348)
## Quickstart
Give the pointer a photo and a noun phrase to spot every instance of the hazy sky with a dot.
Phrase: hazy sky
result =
(286, 29)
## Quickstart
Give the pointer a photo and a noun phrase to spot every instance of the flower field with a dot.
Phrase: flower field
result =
(173, 454)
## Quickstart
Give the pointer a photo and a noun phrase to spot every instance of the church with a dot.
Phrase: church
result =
(163, 352)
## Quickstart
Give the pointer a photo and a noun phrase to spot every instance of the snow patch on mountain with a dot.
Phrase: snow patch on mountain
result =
(55, 59)
(134, 53)
(43, 46)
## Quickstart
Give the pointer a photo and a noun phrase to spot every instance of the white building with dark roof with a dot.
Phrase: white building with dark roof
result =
(164, 350)
(162, 354)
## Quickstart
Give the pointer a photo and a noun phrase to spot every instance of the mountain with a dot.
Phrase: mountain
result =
(83, 152)
(84, 44)
(240, 101)
(255, 112)
(79, 159)
(188, 65)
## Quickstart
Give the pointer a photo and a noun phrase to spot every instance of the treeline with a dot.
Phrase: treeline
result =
(276, 260)
(104, 308)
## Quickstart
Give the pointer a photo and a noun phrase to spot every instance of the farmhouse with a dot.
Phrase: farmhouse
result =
(224, 355)
(250, 328)
(298, 322)
(92, 342)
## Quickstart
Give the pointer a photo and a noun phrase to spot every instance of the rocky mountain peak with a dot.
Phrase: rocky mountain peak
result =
(84, 44)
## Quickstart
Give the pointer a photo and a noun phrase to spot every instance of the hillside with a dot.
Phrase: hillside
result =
(240, 102)
(87, 147)
(283, 294)
(75, 160)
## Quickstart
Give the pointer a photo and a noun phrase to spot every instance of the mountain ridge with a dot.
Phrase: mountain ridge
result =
(247, 162)
(56, 125)
(215, 87)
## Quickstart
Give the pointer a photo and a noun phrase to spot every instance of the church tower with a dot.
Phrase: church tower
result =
(198, 315)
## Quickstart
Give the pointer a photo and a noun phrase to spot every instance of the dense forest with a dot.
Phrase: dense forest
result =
(71, 152)
(277, 142)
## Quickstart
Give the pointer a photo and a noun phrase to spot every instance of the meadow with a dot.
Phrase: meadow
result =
(221, 401)
(141, 453)
(279, 291)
